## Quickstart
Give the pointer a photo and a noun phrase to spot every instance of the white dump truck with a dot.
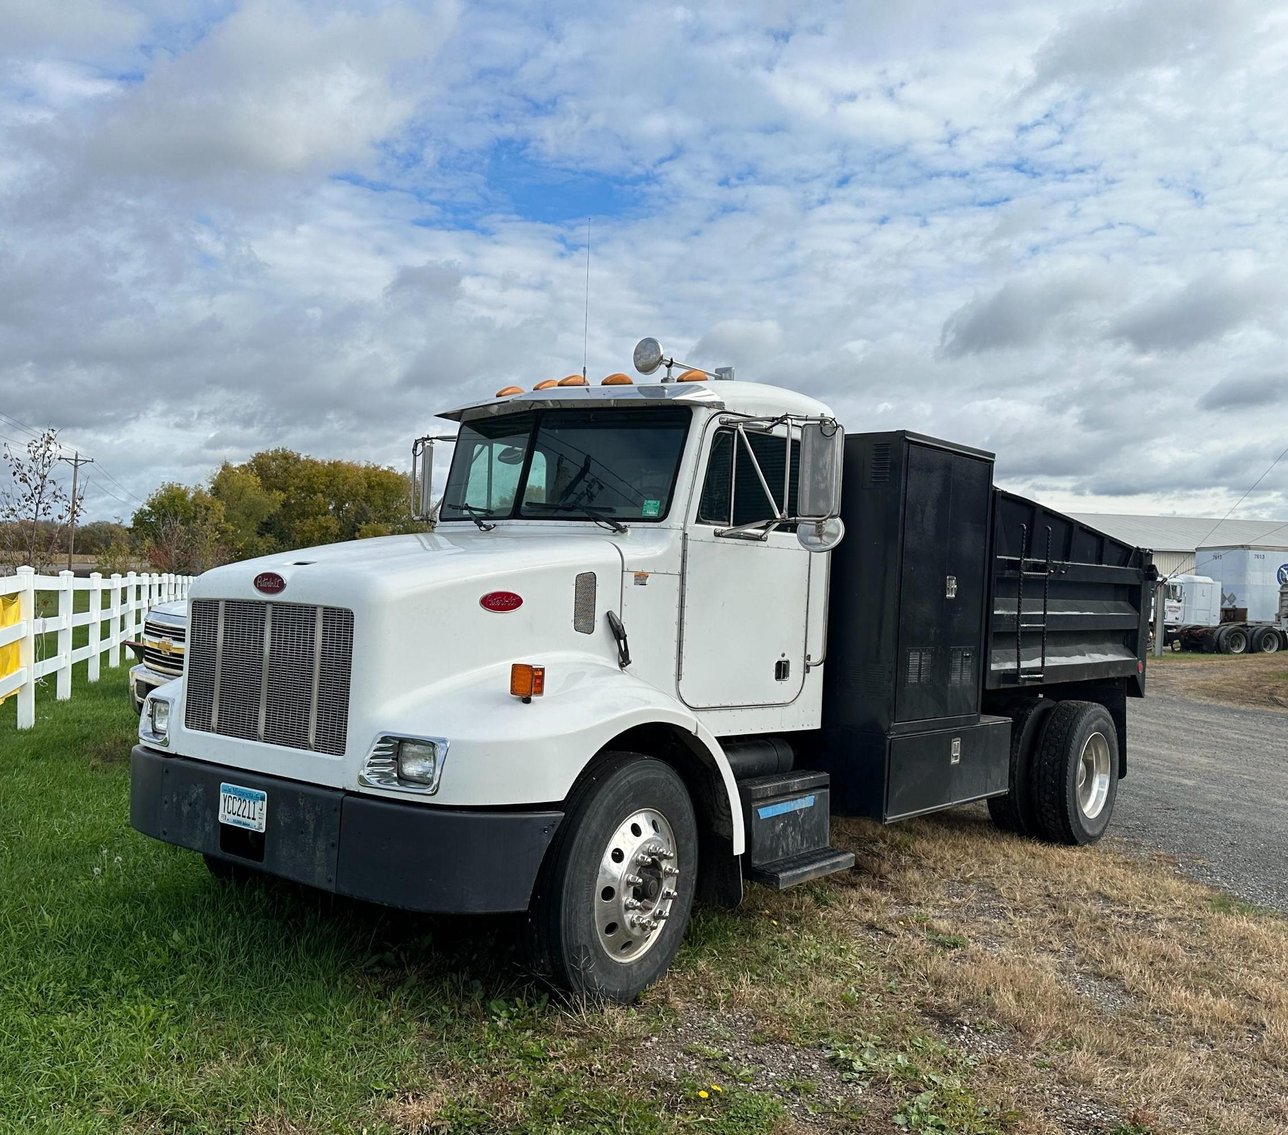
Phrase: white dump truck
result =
(658, 633)
(1239, 606)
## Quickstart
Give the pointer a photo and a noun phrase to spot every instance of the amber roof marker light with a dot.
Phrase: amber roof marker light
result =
(648, 356)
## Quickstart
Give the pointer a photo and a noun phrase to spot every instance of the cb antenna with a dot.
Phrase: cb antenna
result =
(585, 330)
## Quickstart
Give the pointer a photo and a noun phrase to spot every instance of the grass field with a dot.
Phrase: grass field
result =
(956, 981)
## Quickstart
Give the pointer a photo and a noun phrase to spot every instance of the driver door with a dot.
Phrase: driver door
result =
(745, 600)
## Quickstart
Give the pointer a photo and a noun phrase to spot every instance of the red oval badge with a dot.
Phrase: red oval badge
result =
(501, 601)
(269, 582)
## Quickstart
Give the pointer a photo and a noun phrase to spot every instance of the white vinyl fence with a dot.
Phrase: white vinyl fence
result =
(117, 605)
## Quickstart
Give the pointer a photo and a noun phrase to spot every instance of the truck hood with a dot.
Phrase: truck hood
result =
(395, 567)
(418, 632)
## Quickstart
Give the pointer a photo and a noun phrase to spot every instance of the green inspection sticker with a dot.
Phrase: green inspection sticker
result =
(651, 508)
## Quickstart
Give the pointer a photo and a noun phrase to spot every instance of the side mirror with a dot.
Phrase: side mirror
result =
(422, 478)
(822, 455)
(820, 535)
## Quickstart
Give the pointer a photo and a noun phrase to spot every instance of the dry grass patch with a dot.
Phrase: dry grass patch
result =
(1259, 681)
(1114, 984)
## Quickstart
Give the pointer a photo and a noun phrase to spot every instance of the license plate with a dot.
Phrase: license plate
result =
(243, 807)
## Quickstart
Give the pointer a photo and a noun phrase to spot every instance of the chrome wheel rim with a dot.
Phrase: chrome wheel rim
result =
(636, 887)
(1093, 776)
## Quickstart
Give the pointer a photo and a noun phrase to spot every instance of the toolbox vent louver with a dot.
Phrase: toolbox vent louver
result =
(879, 465)
(919, 664)
(272, 672)
(583, 603)
(961, 666)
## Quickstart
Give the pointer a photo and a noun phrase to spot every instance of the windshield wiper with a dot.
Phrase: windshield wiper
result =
(474, 514)
(589, 512)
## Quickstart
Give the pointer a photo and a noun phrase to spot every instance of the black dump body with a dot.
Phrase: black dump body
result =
(1069, 604)
(950, 601)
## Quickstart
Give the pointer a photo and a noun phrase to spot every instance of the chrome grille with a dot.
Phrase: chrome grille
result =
(272, 672)
(158, 658)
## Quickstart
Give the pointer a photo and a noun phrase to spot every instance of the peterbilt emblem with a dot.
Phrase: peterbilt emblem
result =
(269, 582)
(501, 601)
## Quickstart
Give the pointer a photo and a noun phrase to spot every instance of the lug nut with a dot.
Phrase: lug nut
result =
(632, 904)
(669, 871)
(634, 880)
(643, 860)
(666, 896)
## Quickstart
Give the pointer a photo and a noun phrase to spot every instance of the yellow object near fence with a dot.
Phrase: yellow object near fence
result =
(9, 617)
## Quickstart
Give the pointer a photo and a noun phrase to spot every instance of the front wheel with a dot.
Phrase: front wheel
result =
(615, 898)
(1076, 768)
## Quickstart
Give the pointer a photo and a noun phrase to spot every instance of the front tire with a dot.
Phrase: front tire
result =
(615, 898)
(1076, 768)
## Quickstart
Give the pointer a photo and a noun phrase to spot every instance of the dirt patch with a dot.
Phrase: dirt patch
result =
(1257, 681)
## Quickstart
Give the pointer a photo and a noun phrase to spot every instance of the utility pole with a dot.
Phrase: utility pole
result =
(75, 462)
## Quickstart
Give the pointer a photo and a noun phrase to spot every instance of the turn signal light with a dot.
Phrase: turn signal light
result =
(527, 682)
(506, 391)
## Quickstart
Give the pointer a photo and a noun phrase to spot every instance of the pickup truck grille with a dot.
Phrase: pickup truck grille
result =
(166, 657)
(272, 672)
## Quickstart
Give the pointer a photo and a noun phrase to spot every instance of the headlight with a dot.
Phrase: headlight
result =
(411, 764)
(155, 724)
(418, 761)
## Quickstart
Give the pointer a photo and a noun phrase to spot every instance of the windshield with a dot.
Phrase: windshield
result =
(564, 463)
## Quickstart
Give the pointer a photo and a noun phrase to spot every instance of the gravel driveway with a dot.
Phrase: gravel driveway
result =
(1208, 783)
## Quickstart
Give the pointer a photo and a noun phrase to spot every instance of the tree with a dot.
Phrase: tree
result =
(183, 530)
(274, 502)
(35, 510)
(247, 506)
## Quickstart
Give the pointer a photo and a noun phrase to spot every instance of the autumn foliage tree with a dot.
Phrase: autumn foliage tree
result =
(276, 501)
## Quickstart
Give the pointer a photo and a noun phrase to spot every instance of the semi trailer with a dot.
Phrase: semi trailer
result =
(659, 632)
(1239, 606)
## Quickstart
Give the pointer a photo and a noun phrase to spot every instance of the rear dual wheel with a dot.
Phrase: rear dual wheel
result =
(1076, 773)
(1266, 641)
(1064, 772)
(615, 897)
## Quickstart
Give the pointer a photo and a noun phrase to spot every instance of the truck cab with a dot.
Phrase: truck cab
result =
(593, 690)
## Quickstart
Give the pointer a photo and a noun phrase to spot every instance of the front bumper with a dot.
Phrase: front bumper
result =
(144, 679)
(414, 856)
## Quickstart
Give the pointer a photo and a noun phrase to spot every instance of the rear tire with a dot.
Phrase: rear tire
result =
(1266, 641)
(1076, 773)
(1236, 640)
(614, 900)
(1016, 811)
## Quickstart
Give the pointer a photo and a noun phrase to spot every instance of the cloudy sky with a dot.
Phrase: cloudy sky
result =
(1054, 230)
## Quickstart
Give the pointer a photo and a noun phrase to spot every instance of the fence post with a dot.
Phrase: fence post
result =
(169, 586)
(135, 593)
(27, 648)
(114, 641)
(64, 640)
(95, 617)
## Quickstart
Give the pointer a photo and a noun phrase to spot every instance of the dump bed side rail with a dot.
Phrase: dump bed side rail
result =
(1068, 604)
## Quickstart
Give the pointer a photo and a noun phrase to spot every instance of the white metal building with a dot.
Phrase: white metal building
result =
(1175, 538)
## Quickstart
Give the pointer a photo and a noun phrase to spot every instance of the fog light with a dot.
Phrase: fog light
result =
(419, 761)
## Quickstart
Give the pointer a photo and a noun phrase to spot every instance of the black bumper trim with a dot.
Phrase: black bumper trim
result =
(414, 856)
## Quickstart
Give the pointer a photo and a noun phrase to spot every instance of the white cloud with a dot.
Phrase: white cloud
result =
(1049, 229)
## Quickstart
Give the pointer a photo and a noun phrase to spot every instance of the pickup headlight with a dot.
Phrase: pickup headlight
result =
(154, 723)
(410, 764)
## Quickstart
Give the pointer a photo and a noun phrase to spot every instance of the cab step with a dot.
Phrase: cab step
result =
(787, 817)
(784, 873)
